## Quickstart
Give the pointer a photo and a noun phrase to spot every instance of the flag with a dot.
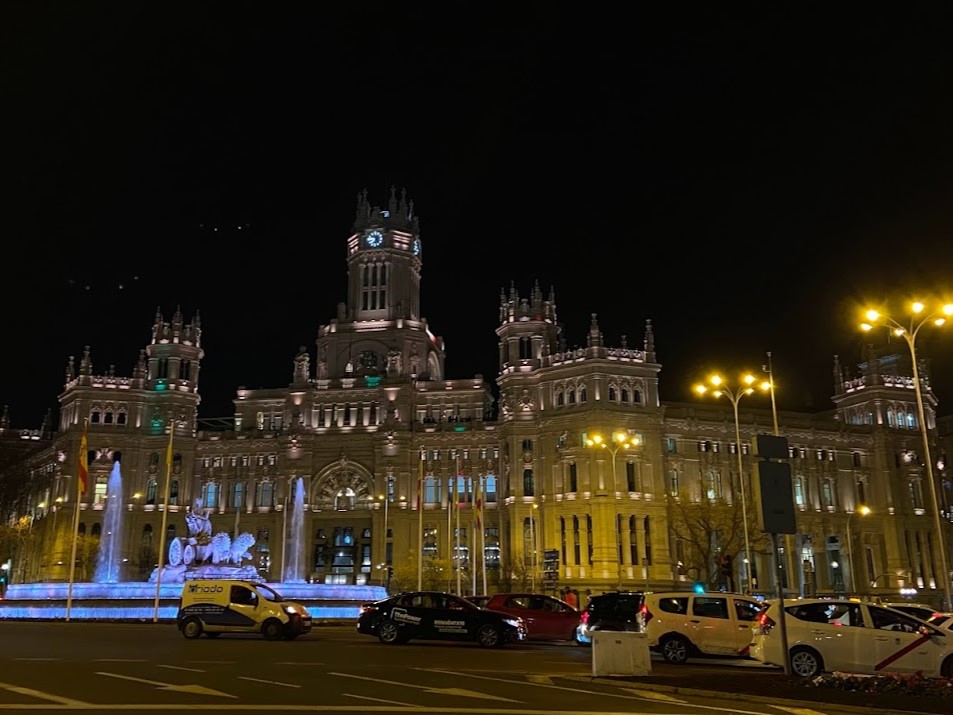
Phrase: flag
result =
(420, 483)
(83, 468)
(478, 504)
(168, 450)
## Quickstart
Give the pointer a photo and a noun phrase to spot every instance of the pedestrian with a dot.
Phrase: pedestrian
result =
(571, 599)
(588, 596)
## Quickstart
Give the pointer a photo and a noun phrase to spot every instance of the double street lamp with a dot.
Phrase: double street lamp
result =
(863, 510)
(918, 318)
(619, 441)
(718, 387)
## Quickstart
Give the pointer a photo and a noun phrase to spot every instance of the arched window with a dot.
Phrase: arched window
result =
(625, 394)
(174, 492)
(151, 492)
(108, 419)
(560, 398)
(572, 397)
(612, 394)
(582, 394)
(95, 417)
(121, 418)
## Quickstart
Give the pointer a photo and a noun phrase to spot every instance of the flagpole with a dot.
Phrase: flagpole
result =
(420, 522)
(165, 521)
(474, 564)
(456, 541)
(482, 533)
(82, 472)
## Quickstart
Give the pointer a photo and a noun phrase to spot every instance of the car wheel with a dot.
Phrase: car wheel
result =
(489, 636)
(389, 632)
(806, 662)
(271, 629)
(212, 635)
(946, 670)
(675, 649)
(192, 628)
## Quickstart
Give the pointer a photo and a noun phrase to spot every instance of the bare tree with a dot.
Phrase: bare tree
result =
(705, 529)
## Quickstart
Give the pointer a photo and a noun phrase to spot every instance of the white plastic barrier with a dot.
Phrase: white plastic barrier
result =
(620, 653)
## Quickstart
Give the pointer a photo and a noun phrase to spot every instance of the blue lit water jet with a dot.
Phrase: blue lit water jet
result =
(295, 544)
(109, 563)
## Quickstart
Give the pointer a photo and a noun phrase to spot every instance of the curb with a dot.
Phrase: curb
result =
(724, 695)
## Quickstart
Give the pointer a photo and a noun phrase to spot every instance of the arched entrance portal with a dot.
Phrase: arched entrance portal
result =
(341, 524)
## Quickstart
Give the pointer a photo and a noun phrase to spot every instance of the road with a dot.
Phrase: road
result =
(119, 667)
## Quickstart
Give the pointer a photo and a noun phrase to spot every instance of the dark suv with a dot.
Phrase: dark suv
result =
(613, 611)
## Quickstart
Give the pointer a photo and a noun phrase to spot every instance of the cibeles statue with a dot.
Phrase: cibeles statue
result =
(204, 555)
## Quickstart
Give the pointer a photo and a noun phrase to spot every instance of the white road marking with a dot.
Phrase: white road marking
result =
(118, 660)
(426, 689)
(634, 692)
(194, 689)
(798, 711)
(179, 667)
(297, 663)
(540, 679)
(269, 682)
(379, 700)
(36, 658)
(40, 695)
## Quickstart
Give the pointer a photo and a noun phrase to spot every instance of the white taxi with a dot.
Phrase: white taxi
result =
(841, 635)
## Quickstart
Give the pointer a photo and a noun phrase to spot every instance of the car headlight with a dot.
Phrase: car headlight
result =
(515, 622)
(290, 609)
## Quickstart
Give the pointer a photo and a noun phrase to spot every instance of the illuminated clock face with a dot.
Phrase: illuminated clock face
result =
(416, 247)
(374, 239)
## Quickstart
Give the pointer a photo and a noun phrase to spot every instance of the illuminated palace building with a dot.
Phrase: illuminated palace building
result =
(369, 417)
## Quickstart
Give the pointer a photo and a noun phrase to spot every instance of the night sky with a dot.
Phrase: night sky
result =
(743, 180)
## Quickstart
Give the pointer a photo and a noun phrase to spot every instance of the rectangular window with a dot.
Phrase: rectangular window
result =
(573, 477)
(671, 446)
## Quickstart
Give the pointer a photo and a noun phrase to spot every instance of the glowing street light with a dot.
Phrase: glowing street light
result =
(619, 441)
(718, 388)
(917, 320)
(863, 510)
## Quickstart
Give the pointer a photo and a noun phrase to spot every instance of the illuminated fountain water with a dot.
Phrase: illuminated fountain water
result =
(295, 545)
(109, 563)
(202, 554)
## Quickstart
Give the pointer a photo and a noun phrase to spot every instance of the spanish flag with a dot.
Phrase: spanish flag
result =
(83, 468)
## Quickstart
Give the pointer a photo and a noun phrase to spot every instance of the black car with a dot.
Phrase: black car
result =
(434, 615)
(613, 611)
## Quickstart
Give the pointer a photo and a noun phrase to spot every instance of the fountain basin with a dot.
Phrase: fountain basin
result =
(135, 601)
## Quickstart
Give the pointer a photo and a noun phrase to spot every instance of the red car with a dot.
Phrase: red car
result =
(546, 618)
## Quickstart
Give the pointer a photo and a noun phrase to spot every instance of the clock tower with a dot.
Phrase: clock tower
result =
(379, 330)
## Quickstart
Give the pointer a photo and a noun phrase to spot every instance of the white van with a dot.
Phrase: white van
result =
(214, 607)
(681, 624)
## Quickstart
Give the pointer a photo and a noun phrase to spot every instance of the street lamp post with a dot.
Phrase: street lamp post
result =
(718, 388)
(909, 334)
(863, 510)
(620, 440)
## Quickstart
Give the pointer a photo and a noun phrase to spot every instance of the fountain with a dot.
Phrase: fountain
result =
(200, 555)
(109, 563)
(295, 545)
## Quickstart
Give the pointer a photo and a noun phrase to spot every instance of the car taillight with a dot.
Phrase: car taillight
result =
(646, 614)
(765, 624)
(584, 618)
(367, 608)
